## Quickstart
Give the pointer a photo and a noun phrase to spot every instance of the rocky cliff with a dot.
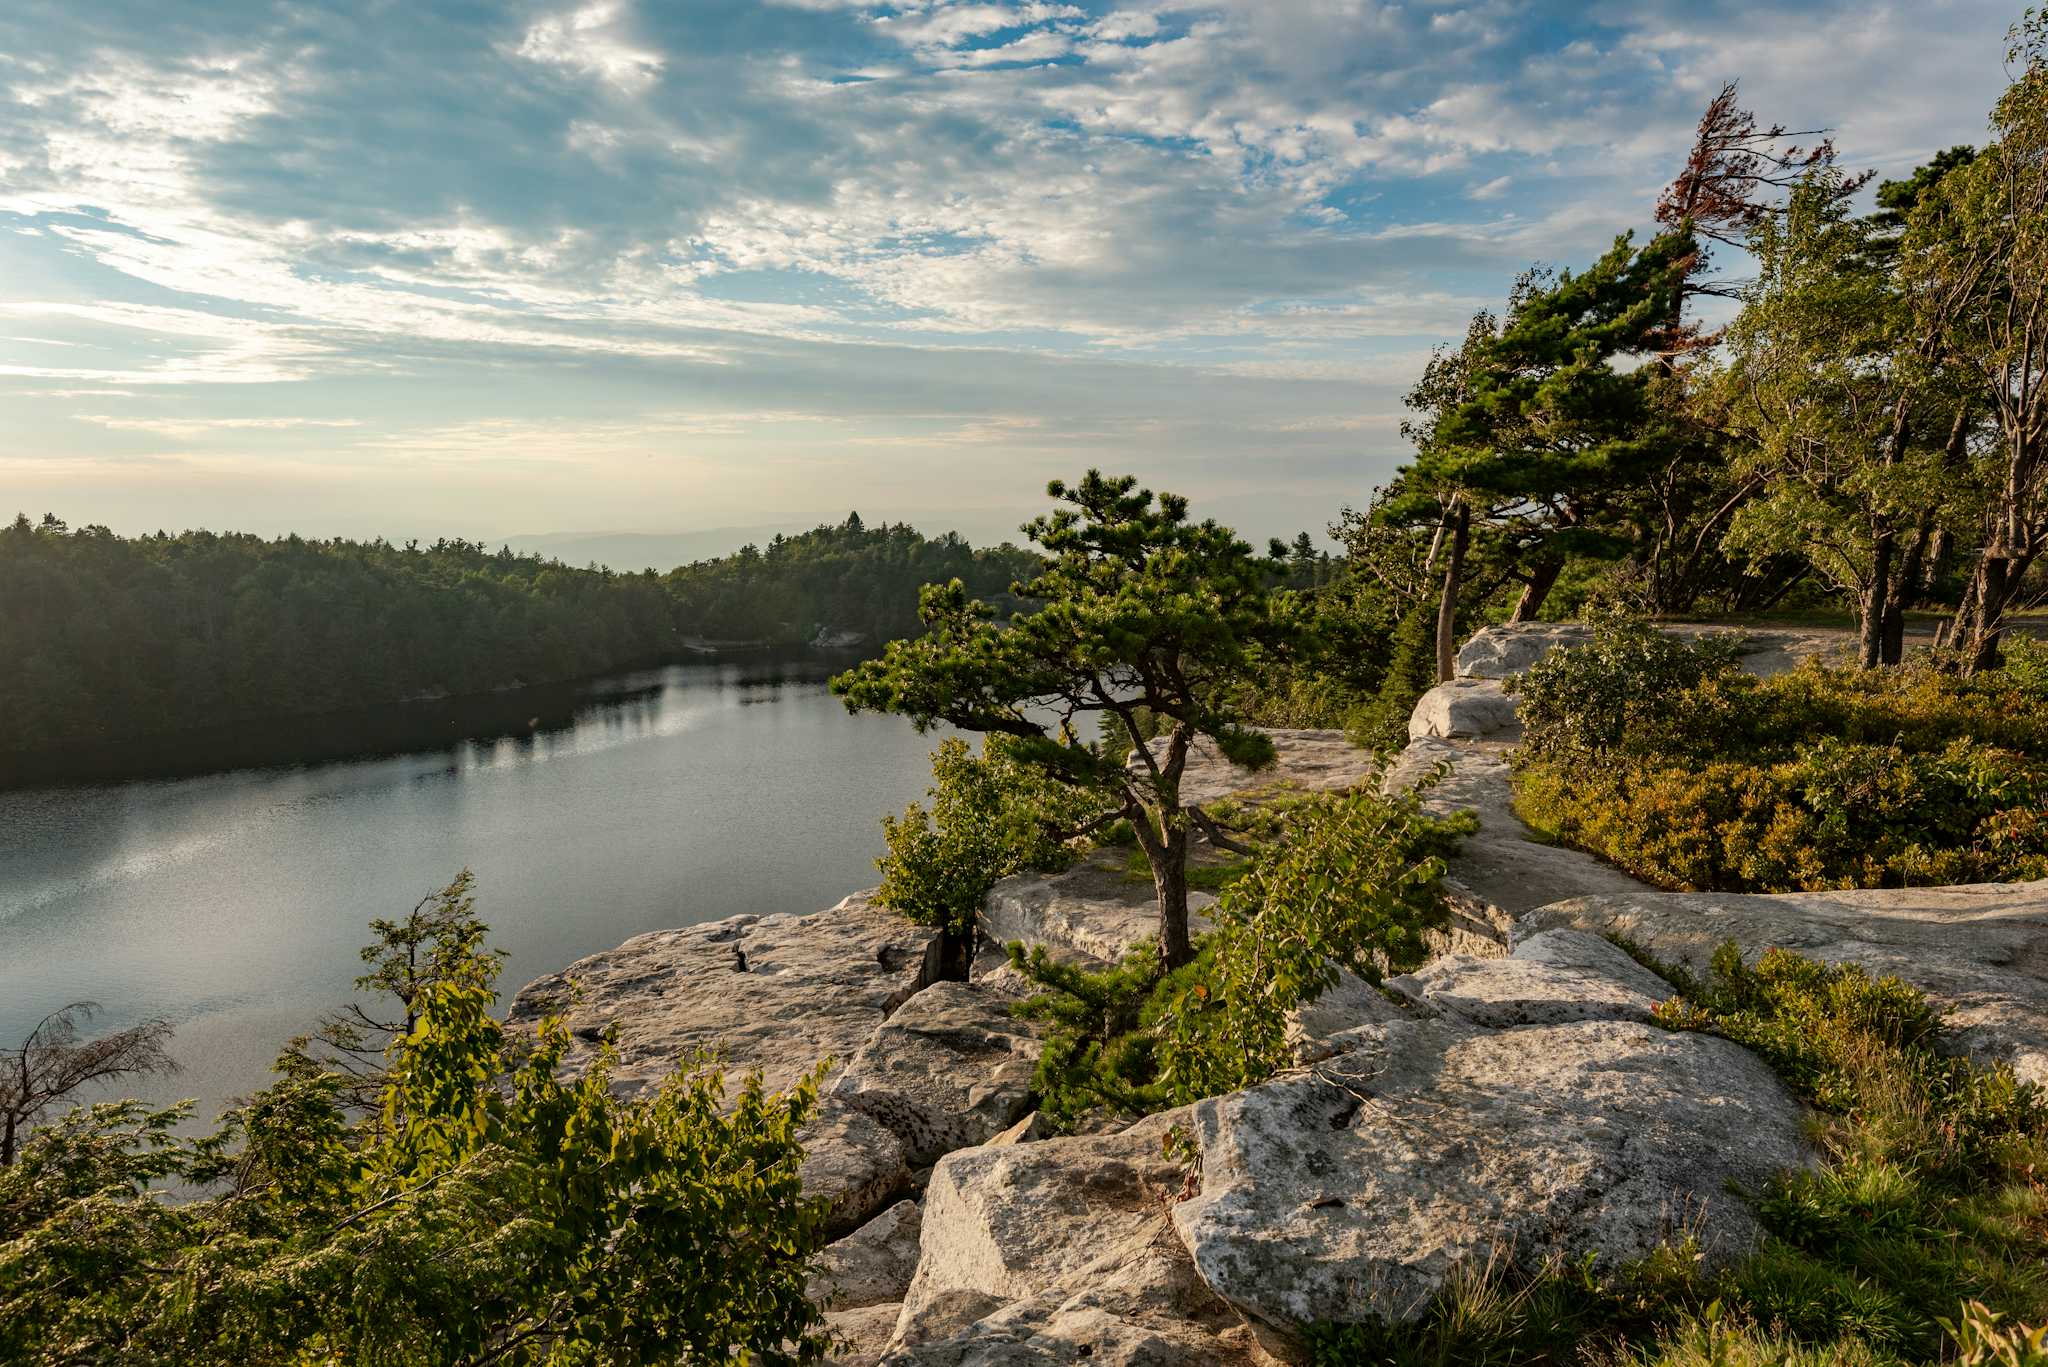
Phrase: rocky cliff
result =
(1508, 1101)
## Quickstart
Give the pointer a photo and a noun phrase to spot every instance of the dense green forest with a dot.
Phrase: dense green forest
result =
(113, 638)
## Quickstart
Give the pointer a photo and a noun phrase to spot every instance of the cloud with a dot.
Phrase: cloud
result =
(594, 41)
(194, 427)
(822, 206)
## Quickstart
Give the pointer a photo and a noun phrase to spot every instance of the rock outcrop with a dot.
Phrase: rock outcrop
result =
(1137, 1303)
(1094, 911)
(1465, 709)
(1059, 1251)
(777, 994)
(1303, 762)
(1502, 866)
(1979, 951)
(773, 993)
(1550, 979)
(950, 1069)
(873, 1265)
(1356, 1189)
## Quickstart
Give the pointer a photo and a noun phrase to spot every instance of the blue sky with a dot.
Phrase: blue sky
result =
(477, 268)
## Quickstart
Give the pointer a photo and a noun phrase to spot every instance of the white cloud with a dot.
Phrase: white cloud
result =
(594, 40)
(1273, 198)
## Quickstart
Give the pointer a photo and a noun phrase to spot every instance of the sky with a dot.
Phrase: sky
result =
(482, 269)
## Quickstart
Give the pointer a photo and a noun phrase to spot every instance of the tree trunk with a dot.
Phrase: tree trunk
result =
(1542, 578)
(1905, 591)
(1170, 880)
(1988, 626)
(1871, 644)
(956, 954)
(1447, 606)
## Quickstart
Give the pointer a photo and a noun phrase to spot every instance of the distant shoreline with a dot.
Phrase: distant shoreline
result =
(381, 729)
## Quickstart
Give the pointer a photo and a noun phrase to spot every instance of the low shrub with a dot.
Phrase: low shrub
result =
(1661, 757)
(1350, 882)
(1613, 693)
(492, 1207)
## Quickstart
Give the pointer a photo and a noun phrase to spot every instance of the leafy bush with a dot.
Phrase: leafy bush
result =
(488, 1210)
(1350, 882)
(990, 817)
(1595, 698)
(1658, 756)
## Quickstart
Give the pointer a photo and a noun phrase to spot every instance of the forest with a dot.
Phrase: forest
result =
(113, 638)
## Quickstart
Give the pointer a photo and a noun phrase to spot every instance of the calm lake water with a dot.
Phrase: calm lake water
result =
(234, 903)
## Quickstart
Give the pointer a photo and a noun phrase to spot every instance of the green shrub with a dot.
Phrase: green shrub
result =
(490, 1209)
(1351, 881)
(1599, 697)
(1691, 775)
(990, 817)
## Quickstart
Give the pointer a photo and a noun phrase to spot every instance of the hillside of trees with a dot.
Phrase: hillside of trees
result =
(111, 638)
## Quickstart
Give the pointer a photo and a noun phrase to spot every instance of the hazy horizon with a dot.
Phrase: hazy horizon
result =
(612, 268)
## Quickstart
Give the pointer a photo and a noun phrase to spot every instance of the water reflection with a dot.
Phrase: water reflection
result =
(234, 902)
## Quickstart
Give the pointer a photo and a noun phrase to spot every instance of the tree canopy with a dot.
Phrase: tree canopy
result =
(1145, 620)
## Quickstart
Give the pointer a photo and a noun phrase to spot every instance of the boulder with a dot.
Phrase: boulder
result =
(1137, 1303)
(1317, 1029)
(1980, 951)
(1029, 1130)
(1501, 652)
(863, 1334)
(1004, 1223)
(1355, 1189)
(853, 1161)
(1465, 709)
(951, 1068)
(872, 1265)
(774, 993)
(1094, 912)
(1550, 979)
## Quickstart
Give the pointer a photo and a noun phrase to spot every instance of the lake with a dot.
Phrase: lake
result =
(234, 903)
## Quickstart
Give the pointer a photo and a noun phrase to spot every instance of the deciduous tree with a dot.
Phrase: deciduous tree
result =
(53, 1064)
(1975, 260)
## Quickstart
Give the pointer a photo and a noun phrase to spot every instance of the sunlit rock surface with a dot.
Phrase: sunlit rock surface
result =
(1980, 950)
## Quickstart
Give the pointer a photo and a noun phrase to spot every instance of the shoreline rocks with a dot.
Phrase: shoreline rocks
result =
(777, 994)
(774, 993)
